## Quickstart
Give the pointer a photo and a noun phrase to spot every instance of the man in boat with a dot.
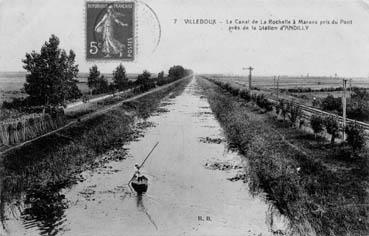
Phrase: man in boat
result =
(138, 173)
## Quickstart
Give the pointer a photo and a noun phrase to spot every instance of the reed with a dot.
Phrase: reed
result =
(18, 130)
(318, 197)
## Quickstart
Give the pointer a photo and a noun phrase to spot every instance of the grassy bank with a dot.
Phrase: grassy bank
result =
(39, 170)
(317, 196)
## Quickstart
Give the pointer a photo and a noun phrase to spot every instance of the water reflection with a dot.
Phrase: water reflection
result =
(32, 177)
(44, 209)
(141, 207)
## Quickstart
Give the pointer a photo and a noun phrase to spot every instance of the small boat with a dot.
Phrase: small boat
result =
(140, 184)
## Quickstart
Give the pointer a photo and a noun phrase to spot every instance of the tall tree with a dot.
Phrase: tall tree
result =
(356, 137)
(176, 72)
(332, 127)
(96, 81)
(161, 75)
(51, 74)
(144, 77)
(317, 124)
(93, 77)
(119, 77)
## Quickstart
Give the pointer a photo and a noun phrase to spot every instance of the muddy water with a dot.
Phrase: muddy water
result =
(185, 196)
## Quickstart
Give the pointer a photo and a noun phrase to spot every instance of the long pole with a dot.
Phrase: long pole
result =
(250, 70)
(344, 108)
(149, 154)
(278, 87)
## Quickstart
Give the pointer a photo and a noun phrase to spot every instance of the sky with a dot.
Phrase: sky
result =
(322, 50)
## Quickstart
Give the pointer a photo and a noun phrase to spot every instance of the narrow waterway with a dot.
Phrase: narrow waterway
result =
(185, 196)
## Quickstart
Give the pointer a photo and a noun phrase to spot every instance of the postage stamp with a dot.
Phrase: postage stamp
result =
(110, 30)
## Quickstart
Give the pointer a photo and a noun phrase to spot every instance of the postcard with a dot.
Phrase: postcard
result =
(173, 117)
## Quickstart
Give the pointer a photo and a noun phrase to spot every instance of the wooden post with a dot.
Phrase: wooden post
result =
(250, 75)
(278, 87)
(344, 108)
(250, 84)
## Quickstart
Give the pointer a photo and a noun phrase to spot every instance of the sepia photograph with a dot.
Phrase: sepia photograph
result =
(174, 117)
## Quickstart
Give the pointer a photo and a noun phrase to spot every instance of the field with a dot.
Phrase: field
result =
(11, 84)
(285, 82)
(308, 91)
(11, 87)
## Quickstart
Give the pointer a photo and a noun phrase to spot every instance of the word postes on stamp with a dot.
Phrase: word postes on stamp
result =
(110, 30)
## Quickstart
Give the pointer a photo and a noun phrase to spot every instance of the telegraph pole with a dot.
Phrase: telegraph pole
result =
(344, 107)
(278, 87)
(250, 70)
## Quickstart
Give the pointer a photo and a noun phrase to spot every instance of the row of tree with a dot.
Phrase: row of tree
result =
(99, 84)
(120, 81)
(357, 104)
(355, 134)
(52, 72)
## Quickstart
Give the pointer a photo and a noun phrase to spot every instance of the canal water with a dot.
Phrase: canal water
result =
(189, 188)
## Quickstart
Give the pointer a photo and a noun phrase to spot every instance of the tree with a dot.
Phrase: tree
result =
(161, 79)
(96, 81)
(294, 112)
(332, 127)
(283, 106)
(145, 81)
(331, 103)
(112, 88)
(161, 75)
(355, 136)
(316, 123)
(144, 77)
(119, 77)
(51, 75)
(176, 72)
(358, 105)
(93, 77)
(103, 85)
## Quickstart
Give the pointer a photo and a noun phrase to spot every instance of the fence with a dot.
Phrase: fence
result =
(30, 126)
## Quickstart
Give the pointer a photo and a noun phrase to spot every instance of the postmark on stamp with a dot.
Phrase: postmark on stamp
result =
(110, 30)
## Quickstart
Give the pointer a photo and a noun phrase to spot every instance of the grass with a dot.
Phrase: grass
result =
(316, 193)
(57, 160)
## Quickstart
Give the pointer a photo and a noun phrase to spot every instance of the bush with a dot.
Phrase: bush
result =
(16, 103)
(331, 103)
(143, 78)
(102, 86)
(283, 106)
(177, 72)
(120, 79)
(316, 123)
(332, 127)
(245, 94)
(264, 103)
(234, 91)
(355, 136)
(277, 109)
(294, 112)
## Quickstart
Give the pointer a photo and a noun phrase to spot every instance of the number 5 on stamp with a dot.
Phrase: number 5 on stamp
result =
(110, 30)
